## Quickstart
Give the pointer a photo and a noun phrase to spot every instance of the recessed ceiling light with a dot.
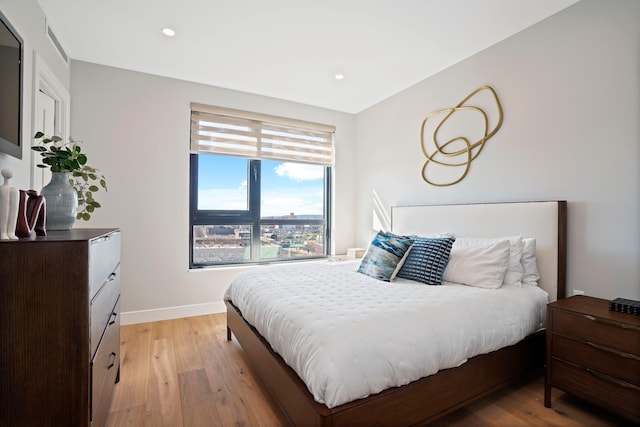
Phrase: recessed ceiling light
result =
(168, 32)
(339, 76)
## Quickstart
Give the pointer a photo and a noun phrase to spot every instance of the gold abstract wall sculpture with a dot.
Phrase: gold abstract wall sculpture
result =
(458, 151)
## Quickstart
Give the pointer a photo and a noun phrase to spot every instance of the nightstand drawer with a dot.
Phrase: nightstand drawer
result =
(102, 310)
(104, 370)
(611, 362)
(598, 388)
(598, 331)
(104, 256)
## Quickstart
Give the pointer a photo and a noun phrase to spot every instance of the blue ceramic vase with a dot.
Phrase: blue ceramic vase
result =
(61, 202)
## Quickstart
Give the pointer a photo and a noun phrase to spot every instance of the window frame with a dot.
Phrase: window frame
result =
(256, 137)
(251, 216)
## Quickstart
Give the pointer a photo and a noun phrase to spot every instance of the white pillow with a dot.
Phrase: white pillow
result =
(514, 273)
(482, 266)
(530, 275)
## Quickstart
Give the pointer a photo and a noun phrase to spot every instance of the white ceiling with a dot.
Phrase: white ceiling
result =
(291, 49)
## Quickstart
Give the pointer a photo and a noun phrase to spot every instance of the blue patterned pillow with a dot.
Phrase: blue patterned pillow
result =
(383, 255)
(427, 260)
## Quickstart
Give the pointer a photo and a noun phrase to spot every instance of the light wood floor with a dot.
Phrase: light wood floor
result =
(185, 373)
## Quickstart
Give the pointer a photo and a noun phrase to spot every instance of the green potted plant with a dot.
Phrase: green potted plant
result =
(67, 162)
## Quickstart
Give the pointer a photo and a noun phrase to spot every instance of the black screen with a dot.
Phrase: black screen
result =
(10, 89)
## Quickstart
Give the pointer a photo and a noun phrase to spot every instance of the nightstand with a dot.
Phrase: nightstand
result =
(594, 353)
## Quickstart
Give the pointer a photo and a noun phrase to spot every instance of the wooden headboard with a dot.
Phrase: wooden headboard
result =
(545, 221)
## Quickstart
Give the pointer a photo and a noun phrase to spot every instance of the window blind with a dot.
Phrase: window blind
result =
(239, 133)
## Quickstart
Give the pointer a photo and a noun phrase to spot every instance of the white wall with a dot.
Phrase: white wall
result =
(28, 19)
(136, 129)
(569, 87)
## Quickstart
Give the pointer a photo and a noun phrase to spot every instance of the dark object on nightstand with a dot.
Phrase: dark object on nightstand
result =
(32, 211)
(627, 306)
(60, 328)
(594, 353)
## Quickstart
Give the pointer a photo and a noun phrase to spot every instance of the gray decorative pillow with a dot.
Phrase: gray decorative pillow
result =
(384, 253)
(427, 260)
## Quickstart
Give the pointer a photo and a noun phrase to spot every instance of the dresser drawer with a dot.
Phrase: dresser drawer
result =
(104, 370)
(608, 361)
(102, 308)
(104, 256)
(598, 331)
(598, 388)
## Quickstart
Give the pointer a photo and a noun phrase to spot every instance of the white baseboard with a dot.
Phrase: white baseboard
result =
(156, 314)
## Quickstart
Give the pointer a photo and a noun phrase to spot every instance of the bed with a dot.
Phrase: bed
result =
(423, 399)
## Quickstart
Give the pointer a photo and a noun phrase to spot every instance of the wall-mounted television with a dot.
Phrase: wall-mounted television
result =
(10, 89)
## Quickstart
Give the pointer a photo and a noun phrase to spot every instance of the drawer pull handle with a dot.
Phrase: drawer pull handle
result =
(102, 239)
(632, 327)
(112, 360)
(111, 277)
(614, 351)
(613, 380)
(113, 318)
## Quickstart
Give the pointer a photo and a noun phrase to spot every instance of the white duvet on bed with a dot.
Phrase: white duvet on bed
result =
(348, 335)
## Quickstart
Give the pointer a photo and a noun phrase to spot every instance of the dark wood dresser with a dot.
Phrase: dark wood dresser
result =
(59, 328)
(594, 354)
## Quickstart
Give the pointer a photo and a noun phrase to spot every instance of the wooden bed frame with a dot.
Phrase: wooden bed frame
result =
(429, 398)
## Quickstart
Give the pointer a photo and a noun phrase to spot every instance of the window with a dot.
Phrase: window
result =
(260, 188)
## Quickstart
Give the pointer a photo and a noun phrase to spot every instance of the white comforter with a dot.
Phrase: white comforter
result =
(348, 335)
